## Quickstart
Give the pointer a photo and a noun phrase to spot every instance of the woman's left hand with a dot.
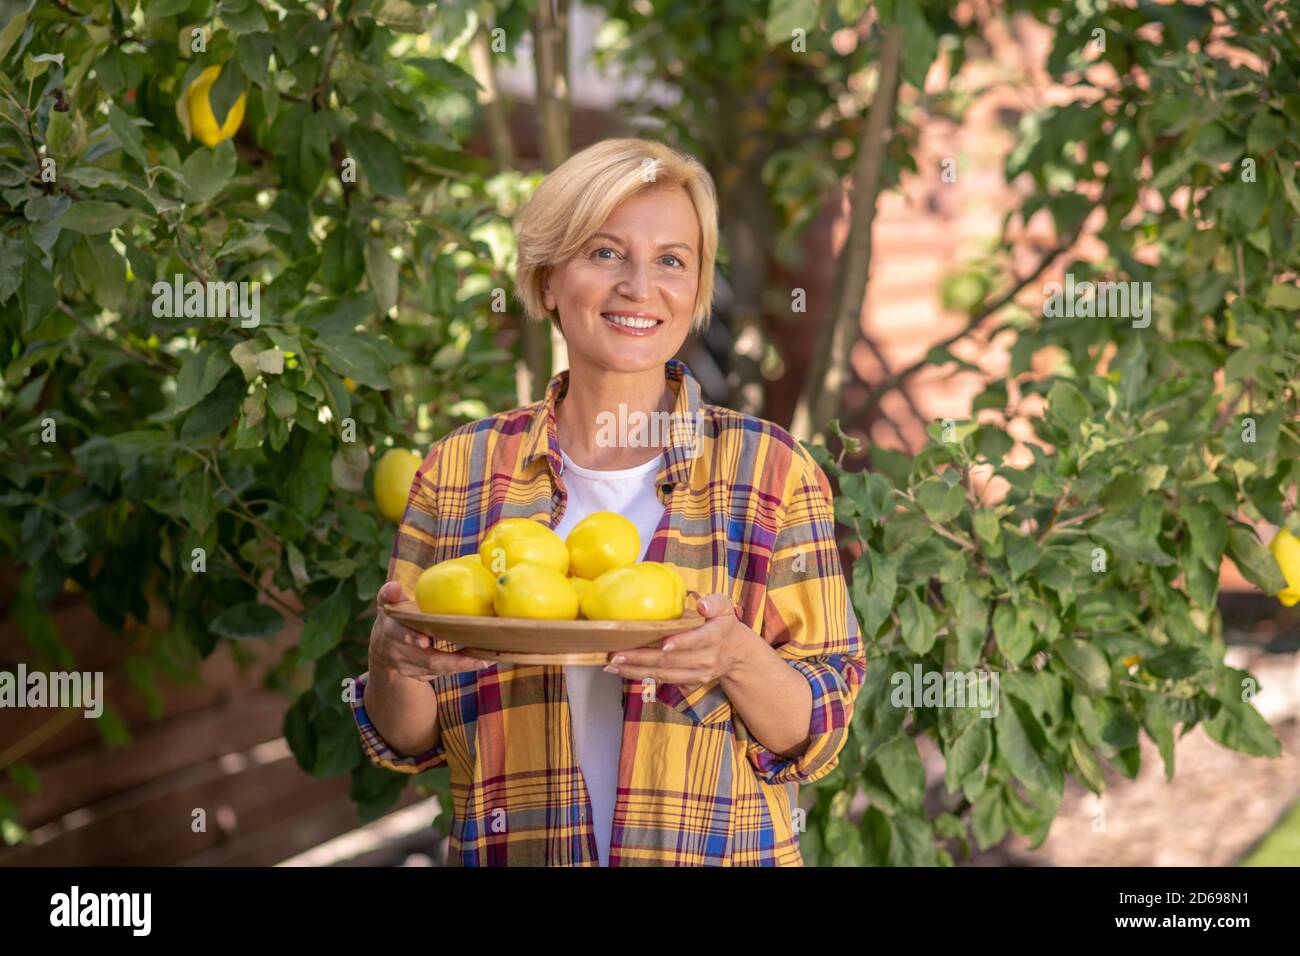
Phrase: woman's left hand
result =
(693, 658)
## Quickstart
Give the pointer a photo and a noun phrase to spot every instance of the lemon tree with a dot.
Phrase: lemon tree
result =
(156, 155)
(1086, 578)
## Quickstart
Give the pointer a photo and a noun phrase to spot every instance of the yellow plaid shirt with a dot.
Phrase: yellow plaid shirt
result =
(748, 514)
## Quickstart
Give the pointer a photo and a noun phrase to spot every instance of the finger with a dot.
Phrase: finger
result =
(390, 592)
(703, 636)
(660, 675)
(715, 605)
(449, 662)
(638, 657)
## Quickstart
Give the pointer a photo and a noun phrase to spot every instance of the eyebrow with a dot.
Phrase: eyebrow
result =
(669, 245)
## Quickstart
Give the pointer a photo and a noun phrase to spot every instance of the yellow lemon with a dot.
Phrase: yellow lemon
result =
(202, 121)
(459, 586)
(580, 587)
(602, 542)
(535, 591)
(677, 581)
(513, 541)
(393, 477)
(640, 592)
(1286, 550)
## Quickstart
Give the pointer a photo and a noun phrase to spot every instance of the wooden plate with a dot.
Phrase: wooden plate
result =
(521, 640)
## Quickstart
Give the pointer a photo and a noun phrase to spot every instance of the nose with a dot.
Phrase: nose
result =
(634, 282)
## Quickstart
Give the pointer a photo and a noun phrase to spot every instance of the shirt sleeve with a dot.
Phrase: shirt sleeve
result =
(377, 749)
(413, 551)
(809, 621)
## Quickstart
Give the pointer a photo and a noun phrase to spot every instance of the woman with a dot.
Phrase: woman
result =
(690, 754)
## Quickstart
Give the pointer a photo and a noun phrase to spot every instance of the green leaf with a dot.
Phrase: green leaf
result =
(254, 51)
(989, 818)
(324, 624)
(1255, 561)
(11, 32)
(1066, 405)
(900, 765)
(301, 472)
(1087, 663)
(200, 374)
(36, 294)
(128, 134)
(1209, 531)
(1283, 296)
(216, 412)
(242, 17)
(918, 623)
(381, 271)
(968, 753)
(1019, 742)
(1238, 725)
(967, 626)
(941, 501)
(1012, 632)
(207, 171)
(1023, 554)
(784, 17)
(198, 499)
(100, 272)
(874, 588)
(248, 621)
(379, 159)
(93, 217)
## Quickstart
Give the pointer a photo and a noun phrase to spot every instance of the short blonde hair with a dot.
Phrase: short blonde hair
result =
(575, 199)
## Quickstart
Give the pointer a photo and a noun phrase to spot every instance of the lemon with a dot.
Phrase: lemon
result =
(1286, 549)
(202, 121)
(512, 541)
(678, 583)
(459, 586)
(393, 477)
(639, 592)
(535, 591)
(602, 542)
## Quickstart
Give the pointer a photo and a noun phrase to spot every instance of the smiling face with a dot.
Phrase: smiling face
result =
(625, 300)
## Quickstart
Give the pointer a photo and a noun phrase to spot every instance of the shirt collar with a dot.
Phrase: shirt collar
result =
(687, 422)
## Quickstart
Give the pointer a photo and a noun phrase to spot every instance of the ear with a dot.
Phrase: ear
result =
(548, 297)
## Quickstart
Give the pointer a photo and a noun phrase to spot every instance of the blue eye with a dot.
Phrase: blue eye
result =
(604, 249)
(675, 259)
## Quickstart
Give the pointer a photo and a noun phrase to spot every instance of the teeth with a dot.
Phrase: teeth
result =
(630, 322)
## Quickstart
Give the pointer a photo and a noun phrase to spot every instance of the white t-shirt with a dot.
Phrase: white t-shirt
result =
(596, 697)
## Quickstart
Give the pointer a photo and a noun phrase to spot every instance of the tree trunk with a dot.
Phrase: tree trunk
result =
(550, 26)
(829, 370)
(495, 115)
(749, 230)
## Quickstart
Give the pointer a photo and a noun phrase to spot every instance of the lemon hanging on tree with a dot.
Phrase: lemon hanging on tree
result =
(203, 123)
(1286, 551)
(393, 477)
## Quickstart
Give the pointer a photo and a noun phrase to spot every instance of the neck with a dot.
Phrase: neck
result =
(594, 399)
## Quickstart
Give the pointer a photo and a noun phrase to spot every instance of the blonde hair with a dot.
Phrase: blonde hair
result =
(575, 199)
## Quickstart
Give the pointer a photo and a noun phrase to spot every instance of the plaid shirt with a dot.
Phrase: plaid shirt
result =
(748, 514)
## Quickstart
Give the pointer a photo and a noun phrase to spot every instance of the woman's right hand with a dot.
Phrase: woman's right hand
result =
(396, 648)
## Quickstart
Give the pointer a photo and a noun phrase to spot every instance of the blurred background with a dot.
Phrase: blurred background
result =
(898, 185)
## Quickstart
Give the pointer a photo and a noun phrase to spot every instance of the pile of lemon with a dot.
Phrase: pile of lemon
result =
(524, 569)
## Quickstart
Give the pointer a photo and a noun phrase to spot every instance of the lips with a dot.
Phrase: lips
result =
(631, 323)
